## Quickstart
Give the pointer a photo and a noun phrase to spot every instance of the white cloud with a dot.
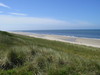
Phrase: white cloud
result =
(19, 14)
(3, 5)
(7, 20)
(24, 22)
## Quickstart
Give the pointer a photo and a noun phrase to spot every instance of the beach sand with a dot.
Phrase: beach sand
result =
(69, 39)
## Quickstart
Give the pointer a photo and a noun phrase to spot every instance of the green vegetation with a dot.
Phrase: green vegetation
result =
(23, 55)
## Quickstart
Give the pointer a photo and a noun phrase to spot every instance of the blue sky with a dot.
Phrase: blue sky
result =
(49, 14)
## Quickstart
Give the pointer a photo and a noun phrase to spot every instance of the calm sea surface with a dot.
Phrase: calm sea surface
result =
(77, 33)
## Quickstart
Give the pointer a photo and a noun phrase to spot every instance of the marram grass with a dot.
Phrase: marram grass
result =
(23, 55)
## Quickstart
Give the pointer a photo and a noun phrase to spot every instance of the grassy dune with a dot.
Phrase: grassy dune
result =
(23, 55)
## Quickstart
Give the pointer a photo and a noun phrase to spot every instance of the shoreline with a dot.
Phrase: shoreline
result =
(69, 39)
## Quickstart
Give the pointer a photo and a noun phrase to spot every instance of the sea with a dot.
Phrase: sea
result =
(85, 33)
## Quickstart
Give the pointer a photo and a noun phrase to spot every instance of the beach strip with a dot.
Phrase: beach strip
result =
(75, 40)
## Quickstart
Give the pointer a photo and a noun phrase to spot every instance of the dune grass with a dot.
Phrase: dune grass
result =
(23, 55)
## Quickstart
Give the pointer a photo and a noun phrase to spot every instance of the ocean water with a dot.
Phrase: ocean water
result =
(93, 33)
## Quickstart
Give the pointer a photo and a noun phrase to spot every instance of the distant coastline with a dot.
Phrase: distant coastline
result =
(82, 33)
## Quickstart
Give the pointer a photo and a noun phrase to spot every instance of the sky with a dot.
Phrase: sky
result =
(49, 14)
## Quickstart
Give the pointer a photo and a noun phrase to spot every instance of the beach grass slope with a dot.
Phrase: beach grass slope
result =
(23, 55)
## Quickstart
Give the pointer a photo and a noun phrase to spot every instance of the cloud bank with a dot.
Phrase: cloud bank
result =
(7, 19)
(23, 22)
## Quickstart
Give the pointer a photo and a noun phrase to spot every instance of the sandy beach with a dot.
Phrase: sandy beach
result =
(69, 39)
